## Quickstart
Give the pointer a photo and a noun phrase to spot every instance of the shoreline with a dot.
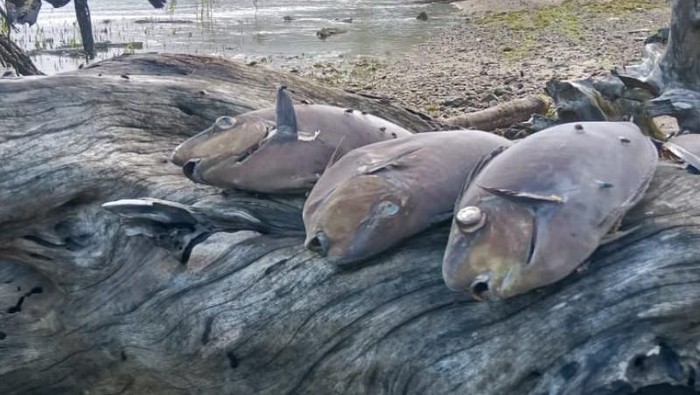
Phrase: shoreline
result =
(496, 57)
(487, 58)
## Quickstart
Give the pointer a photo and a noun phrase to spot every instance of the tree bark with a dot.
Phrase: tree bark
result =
(88, 309)
(12, 56)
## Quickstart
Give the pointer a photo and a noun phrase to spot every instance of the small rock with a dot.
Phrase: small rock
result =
(329, 31)
(489, 98)
(456, 102)
(423, 16)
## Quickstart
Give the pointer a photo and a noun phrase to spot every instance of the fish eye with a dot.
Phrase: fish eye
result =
(387, 209)
(225, 122)
(470, 219)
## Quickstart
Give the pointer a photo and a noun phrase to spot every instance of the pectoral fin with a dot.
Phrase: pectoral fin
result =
(387, 163)
(617, 234)
(526, 197)
(442, 217)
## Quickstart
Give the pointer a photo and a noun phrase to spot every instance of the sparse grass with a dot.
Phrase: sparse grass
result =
(611, 7)
(362, 72)
(525, 27)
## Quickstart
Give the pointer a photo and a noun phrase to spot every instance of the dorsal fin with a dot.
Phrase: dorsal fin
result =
(286, 118)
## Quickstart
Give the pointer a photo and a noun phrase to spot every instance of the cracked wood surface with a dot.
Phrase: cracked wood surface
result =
(85, 307)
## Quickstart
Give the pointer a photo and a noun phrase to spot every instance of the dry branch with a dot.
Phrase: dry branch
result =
(12, 56)
(502, 115)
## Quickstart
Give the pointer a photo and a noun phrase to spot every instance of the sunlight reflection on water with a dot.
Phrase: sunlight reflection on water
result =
(234, 27)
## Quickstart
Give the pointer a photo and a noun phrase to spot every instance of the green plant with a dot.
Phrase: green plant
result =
(4, 23)
(74, 42)
(171, 7)
(39, 39)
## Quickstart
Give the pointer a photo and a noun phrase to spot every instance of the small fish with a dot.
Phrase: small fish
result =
(380, 194)
(277, 150)
(537, 211)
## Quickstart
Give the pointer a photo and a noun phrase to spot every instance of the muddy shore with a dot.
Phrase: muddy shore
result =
(491, 57)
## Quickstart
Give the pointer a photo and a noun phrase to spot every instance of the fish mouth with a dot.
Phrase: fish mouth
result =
(481, 288)
(318, 244)
(321, 244)
(486, 287)
(193, 167)
(190, 170)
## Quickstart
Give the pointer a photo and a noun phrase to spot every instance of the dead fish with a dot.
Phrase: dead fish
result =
(278, 150)
(535, 212)
(687, 148)
(380, 194)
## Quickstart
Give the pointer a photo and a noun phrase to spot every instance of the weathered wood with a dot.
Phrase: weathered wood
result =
(680, 66)
(605, 99)
(502, 115)
(667, 82)
(88, 309)
(12, 56)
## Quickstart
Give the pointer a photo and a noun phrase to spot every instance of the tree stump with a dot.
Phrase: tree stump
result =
(667, 82)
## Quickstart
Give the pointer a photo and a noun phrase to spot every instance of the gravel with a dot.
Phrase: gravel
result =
(492, 57)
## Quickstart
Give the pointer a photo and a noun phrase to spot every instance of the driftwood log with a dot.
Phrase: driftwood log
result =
(502, 115)
(85, 308)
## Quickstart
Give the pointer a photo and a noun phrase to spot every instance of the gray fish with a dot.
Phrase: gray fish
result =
(687, 148)
(280, 150)
(380, 194)
(534, 213)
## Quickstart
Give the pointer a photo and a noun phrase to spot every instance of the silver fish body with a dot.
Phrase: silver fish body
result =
(382, 193)
(534, 213)
(278, 150)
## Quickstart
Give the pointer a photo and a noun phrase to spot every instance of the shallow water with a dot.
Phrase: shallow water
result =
(235, 28)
